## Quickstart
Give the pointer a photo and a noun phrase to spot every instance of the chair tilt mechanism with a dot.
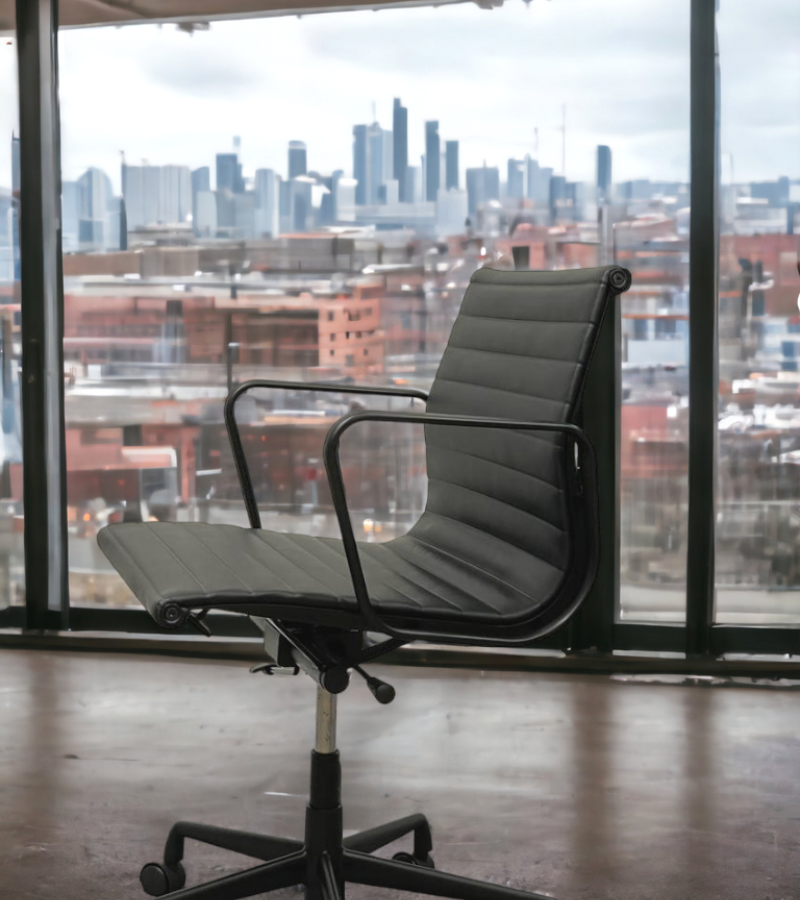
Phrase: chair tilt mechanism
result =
(504, 553)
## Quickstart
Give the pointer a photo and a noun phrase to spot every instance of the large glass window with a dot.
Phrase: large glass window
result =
(12, 562)
(758, 505)
(307, 198)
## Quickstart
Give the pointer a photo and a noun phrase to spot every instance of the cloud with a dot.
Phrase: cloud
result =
(214, 77)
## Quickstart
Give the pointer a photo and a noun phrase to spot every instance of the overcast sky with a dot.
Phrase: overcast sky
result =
(620, 67)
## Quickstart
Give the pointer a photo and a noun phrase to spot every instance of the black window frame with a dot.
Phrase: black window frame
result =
(597, 630)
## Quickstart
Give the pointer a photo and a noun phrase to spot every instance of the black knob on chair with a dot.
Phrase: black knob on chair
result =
(381, 691)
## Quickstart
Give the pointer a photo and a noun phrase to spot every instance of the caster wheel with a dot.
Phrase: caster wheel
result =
(404, 857)
(158, 879)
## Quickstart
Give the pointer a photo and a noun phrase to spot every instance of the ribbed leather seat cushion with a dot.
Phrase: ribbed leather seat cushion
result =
(188, 564)
(493, 544)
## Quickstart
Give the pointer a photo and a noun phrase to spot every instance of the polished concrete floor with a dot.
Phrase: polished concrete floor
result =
(580, 787)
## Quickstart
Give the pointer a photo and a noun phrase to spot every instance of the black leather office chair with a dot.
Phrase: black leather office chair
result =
(504, 553)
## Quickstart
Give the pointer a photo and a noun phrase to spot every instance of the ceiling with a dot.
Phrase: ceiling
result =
(82, 13)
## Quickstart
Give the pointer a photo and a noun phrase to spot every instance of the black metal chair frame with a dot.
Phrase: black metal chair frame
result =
(585, 534)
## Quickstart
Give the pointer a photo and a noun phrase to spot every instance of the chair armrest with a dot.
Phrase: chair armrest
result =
(336, 481)
(239, 458)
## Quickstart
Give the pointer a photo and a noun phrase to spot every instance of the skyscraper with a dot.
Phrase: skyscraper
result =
(413, 184)
(298, 164)
(451, 164)
(201, 183)
(151, 196)
(266, 212)
(538, 187)
(375, 162)
(176, 194)
(559, 197)
(301, 202)
(603, 174)
(326, 215)
(227, 172)
(132, 192)
(387, 161)
(284, 204)
(205, 217)
(345, 200)
(201, 179)
(95, 199)
(515, 186)
(400, 141)
(483, 184)
(244, 215)
(432, 151)
(360, 163)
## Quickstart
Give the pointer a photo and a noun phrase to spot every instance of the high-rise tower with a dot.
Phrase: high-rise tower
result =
(400, 139)
(451, 164)
(227, 172)
(515, 184)
(297, 159)
(360, 162)
(603, 174)
(432, 151)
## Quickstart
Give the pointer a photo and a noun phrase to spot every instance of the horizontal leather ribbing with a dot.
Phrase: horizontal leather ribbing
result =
(493, 544)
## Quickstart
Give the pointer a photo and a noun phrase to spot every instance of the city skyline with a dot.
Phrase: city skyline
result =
(166, 96)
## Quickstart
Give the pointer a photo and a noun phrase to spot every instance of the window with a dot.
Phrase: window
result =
(12, 559)
(212, 226)
(758, 494)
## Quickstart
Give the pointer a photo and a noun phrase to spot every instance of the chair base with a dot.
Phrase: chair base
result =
(323, 877)
(325, 862)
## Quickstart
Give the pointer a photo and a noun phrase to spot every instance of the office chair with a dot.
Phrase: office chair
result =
(504, 553)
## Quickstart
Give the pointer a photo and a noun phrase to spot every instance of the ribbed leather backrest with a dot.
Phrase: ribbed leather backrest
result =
(518, 350)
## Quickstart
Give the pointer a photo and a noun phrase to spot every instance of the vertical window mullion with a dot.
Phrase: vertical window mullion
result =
(703, 366)
(42, 389)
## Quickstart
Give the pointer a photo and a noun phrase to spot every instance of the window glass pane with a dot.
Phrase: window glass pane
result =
(12, 561)
(758, 503)
(307, 198)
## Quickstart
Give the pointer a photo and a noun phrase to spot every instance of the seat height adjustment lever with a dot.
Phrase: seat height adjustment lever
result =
(380, 690)
(196, 620)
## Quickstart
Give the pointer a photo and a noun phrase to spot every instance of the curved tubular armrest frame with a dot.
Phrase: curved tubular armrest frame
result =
(239, 457)
(336, 481)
